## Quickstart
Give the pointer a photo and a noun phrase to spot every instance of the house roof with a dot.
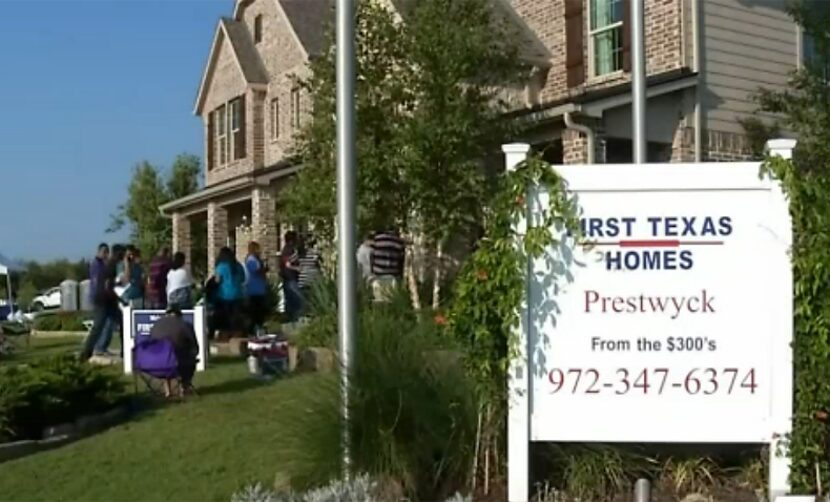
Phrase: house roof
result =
(308, 19)
(243, 47)
(530, 47)
(243, 51)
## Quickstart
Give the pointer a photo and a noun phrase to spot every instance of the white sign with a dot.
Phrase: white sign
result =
(670, 321)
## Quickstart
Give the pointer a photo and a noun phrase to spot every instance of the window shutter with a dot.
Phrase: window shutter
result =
(211, 140)
(575, 35)
(239, 140)
(626, 35)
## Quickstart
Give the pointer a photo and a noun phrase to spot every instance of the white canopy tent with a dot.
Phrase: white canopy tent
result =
(7, 266)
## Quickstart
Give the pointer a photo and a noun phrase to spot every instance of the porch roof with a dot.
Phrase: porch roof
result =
(197, 202)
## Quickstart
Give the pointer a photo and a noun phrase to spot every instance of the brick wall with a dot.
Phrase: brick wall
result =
(280, 89)
(726, 147)
(181, 234)
(664, 49)
(217, 231)
(264, 221)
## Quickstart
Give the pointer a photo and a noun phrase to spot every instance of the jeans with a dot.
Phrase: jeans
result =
(293, 299)
(105, 318)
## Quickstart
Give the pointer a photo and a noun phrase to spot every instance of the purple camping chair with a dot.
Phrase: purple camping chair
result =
(155, 362)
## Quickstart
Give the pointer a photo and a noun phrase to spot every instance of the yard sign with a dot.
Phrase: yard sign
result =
(139, 322)
(671, 320)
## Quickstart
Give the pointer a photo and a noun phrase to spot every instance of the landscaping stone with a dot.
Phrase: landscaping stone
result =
(293, 358)
(17, 449)
(58, 430)
(317, 359)
(233, 347)
(58, 334)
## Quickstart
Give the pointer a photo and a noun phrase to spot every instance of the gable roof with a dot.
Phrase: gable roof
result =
(531, 48)
(244, 52)
(308, 20)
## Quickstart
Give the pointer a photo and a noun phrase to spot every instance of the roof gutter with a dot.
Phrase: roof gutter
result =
(587, 131)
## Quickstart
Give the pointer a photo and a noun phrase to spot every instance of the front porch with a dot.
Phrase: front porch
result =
(232, 214)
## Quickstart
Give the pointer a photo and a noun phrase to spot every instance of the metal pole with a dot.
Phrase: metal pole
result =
(346, 183)
(638, 81)
(9, 287)
(642, 491)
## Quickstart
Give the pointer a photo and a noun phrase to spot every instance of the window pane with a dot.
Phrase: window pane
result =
(605, 12)
(608, 51)
(234, 115)
(220, 130)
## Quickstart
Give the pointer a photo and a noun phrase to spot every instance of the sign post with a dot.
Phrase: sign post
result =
(674, 324)
(138, 323)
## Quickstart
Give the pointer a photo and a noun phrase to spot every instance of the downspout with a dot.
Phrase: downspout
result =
(587, 131)
(698, 115)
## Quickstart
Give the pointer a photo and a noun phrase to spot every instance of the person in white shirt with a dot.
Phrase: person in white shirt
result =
(179, 284)
(364, 258)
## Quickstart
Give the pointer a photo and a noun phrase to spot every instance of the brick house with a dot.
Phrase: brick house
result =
(704, 60)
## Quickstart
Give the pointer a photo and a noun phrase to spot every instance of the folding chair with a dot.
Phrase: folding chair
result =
(155, 363)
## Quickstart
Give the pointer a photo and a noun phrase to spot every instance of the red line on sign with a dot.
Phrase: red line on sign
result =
(663, 243)
(653, 243)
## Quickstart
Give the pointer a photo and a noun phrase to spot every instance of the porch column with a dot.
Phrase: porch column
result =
(575, 145)
(683, 144)
(264, 223)
(217, 222)
(182, 240)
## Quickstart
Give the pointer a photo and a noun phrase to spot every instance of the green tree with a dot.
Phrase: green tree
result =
(428, 113)
(148, 189)
(804, 108)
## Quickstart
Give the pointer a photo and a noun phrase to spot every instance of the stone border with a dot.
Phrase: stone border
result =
(63, 434)
(56, 334)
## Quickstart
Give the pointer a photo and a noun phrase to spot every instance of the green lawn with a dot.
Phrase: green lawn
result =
(203, 449)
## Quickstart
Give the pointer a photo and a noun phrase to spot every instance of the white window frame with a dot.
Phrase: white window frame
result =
(592, 33)
(295, 108)
(222, 135)
(233, 113)
(275, 118)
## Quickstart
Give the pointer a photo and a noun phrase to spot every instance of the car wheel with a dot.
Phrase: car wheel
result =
(38, 307)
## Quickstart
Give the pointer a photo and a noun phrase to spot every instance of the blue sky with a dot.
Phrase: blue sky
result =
(88, 88)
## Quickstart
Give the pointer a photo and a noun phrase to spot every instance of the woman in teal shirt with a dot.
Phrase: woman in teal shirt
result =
(131, 276)
(230, 277)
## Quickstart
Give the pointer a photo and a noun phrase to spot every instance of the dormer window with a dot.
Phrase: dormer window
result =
(258, 29)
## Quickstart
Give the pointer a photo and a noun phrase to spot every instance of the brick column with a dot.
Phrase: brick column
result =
(217, 231)
(574, 147)
(182, 239)
(683, 144)
(264, 221)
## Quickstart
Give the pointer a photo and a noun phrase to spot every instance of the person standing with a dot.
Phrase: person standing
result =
(157, 279)
(105, 304)
(256, 286)
(229, 276)
(290, 275)
(130, 277)
(179, 284)
(364, 258)
(310, 264)
(388, 254)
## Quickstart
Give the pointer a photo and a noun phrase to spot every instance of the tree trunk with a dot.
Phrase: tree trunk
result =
(412, 281)
(436, 275)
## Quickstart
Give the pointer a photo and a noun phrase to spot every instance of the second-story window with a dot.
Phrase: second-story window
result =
(236, 116)
(258, 29)
(275, 118)
(295, 108)
(222, 134)
(606, 36)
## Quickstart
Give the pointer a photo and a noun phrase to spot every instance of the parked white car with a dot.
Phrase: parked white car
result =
(49, 299)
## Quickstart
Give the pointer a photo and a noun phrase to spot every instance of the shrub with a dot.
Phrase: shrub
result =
(53, 391)
(61, 321)
(413, 421)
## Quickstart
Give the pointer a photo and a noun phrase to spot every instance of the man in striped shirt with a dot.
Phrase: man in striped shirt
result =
(309, 265)
(388, 254)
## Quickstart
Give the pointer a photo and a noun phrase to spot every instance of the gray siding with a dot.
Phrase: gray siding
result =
(746, 44)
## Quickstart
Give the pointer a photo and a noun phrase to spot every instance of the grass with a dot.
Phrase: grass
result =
(200, 450)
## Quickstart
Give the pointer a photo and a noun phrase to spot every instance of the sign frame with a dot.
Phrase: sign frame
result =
(631, 178)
